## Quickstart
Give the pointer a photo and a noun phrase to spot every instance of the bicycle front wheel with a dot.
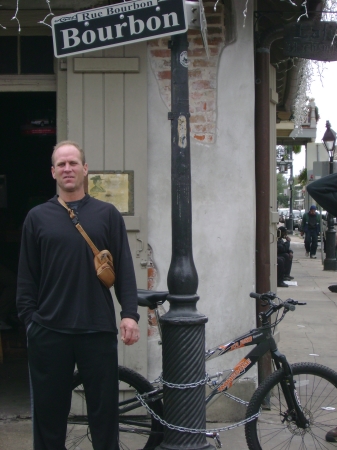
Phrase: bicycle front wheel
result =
(316, 388)
(137, 429)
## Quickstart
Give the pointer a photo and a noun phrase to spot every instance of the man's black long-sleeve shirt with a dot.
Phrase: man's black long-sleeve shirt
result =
(57, 282)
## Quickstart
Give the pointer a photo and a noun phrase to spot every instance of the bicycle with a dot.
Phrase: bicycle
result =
(293, 408)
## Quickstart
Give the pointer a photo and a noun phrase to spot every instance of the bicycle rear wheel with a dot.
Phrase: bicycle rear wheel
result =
(133, 418)
(316, 388)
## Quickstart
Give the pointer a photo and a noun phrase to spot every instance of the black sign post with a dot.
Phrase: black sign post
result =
(118, 24)
(183, 326)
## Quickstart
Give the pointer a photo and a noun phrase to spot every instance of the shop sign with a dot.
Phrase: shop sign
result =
(311, 40)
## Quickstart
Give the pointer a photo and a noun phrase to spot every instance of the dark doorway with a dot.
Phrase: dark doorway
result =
(27, 137)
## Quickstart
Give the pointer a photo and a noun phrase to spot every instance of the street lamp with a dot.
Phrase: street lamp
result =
(290, 221)
(329, 141)
(183, 326)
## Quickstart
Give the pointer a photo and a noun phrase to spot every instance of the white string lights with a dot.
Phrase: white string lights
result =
(17, 9)
(43, 22)
(15, 17)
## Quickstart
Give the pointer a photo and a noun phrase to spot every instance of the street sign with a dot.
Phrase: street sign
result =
(118, 24)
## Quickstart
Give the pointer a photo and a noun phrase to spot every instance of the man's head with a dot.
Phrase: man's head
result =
(312, 210)
(69, 170)
(75, 144)
(282, 231)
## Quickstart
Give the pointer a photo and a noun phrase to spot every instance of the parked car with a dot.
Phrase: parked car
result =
(282, 214)
(297, 219)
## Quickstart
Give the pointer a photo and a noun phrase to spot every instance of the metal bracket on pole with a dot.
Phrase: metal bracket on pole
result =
(196, 19)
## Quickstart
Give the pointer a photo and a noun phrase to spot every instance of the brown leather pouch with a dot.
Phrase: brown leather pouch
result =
(104, 268)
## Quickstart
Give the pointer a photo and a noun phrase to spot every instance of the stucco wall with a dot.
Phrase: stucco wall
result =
(223, 199)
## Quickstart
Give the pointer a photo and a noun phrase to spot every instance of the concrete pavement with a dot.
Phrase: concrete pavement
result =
(307, 334)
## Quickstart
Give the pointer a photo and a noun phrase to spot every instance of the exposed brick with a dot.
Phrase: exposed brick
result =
(199, 137)
(196, 52)
(194, 74)
(193, 32)
(211, 20)
(200, 62)
(161, 53)
(202, 84)
(195, 95)
(202, 73)
(164, 75)
(214, 30)
(197, 118)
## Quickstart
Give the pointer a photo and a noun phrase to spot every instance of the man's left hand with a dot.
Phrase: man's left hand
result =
(129, 331)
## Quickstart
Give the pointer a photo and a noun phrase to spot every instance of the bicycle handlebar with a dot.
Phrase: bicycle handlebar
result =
(289, 304)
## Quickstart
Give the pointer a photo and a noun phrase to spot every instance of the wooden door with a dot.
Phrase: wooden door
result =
(102, 104)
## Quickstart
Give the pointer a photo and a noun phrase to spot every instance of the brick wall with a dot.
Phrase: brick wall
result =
(202, 73)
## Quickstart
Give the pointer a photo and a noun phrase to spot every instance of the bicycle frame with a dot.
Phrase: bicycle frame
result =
(264, 342)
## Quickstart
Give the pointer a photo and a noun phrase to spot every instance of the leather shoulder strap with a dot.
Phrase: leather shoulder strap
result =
(73, 217)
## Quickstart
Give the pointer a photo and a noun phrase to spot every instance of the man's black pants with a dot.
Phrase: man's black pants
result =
(52, 357)
(288, 262)
(310, 242)
(280, 269)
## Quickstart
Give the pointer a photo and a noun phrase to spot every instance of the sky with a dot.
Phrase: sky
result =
(324, 92)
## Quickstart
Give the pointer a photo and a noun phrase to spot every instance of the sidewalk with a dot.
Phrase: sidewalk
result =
(307, 334)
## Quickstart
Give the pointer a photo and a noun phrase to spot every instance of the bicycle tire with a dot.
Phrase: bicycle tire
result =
(316, 387)
(149, 431)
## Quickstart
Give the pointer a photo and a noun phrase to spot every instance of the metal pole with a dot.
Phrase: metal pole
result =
(183, 326)
(330, 262)
(290, 226)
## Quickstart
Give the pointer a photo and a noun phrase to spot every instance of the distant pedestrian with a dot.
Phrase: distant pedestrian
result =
(310, 227)
(284, 251)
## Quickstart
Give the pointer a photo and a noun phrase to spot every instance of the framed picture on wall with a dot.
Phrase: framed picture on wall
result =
(113, 186)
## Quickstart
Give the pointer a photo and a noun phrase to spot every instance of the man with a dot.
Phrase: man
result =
(311, 227)
(280, 272)
(324, 192)
(68, 312)
(284, 251)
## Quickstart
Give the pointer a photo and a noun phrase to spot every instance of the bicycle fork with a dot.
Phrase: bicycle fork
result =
(295, 411)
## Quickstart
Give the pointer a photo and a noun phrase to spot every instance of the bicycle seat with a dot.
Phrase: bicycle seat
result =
(151, 298)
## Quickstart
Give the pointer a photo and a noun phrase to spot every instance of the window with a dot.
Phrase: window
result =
(26, 55)
(8, 55)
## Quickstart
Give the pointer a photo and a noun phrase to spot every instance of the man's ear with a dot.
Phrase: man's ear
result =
(53, 172)
(85, 169)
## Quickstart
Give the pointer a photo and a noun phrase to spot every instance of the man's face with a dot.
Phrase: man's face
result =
(312, 212)
(68, 169)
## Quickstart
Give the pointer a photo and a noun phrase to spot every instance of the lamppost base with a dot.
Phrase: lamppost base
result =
(289, 223)
(183, 329)
(330, 264)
